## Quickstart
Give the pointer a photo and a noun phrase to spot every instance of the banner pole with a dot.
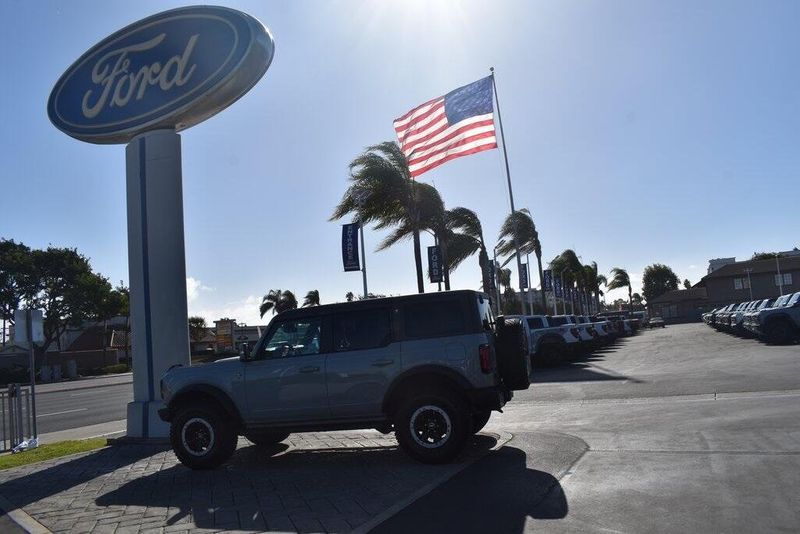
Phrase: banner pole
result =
(363, 258)
(508, 179)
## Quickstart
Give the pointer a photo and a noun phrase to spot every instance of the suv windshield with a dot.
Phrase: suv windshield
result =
(557, 321)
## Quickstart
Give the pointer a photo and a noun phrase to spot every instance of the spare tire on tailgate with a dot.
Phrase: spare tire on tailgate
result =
(513, 359)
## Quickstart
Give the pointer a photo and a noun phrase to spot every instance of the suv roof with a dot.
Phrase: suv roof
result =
(379, 302)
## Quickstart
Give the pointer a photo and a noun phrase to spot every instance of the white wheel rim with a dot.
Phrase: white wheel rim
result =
(197, 436)
(430, 426)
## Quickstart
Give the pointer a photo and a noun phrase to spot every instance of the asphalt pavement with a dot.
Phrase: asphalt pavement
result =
(82, 405)
(677, 430)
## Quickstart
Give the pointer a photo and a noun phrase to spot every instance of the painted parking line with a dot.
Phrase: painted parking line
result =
(65, 411)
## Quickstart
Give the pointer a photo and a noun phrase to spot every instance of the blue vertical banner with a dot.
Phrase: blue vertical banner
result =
(557, 287)
(435, 263)
(350, 247)
(523, 277)
(548, 280)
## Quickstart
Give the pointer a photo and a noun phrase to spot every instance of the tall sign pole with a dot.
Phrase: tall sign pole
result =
(141, 86)
(508, 180)
(363, 259)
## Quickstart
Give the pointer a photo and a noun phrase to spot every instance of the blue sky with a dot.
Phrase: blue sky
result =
(638, 132)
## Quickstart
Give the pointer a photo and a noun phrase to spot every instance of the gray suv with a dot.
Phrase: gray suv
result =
(429, 367)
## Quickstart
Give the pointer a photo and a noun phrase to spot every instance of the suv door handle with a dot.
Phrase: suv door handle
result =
(382, 363)
(309, 369)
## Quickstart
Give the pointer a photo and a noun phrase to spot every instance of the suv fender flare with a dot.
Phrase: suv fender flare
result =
(424, 374)
(207, 391)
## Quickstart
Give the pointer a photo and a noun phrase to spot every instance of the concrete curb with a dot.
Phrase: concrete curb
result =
(502, 439)
(18, 516)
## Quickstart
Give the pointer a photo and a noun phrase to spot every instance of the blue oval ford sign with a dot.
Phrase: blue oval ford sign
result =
(171, 70)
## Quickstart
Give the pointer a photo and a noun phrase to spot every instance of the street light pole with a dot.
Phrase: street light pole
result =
(749, 285)
(780, 278)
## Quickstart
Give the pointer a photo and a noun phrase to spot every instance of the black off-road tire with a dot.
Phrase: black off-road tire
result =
(513, 353)
(549, 354)
(479, 420)
(202, 436)
(779, 332)
(265, 438)
(429, 414)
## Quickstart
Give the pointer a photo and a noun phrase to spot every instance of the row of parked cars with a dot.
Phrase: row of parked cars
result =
(771, 320)
(552, 339)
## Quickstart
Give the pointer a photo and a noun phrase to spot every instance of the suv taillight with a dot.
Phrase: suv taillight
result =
(485, 353)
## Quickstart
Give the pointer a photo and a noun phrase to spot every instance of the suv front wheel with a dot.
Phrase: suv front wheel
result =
(201, 436)
(433, 427)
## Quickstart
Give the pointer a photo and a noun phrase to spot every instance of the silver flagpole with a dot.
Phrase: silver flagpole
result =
(510, 191)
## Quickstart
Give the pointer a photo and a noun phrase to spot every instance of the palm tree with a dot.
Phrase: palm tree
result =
(382, 193)
(349, 296)
(519, 228)
(278, 301)
(593, 281)
(464, 240)
(312, 298)
(431, 216)
(620, 278)
(568, 263)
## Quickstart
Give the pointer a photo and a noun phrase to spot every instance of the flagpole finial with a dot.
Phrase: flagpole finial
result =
(491, 69)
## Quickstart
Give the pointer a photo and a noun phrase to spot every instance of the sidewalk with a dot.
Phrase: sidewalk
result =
(112, 429)
(316, 482)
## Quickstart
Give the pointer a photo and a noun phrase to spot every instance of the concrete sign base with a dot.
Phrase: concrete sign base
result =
(157, 269)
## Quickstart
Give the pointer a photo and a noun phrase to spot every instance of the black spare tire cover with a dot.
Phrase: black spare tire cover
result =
(513, 356)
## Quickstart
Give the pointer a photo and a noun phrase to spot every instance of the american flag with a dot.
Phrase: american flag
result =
(454, 125)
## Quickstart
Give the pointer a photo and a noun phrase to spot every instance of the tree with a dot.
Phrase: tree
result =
(16, 269)
(620, 279)
(687, 284)
(657, 280)
(519, 230)
(349, 296)
(278, 301)
(568, 264)
(466, 240)
(382, 193)
(594, 280)
(431, 216)
(65, 287)
(197, 328)
(636, 299)
(312, 298)
(764, 255)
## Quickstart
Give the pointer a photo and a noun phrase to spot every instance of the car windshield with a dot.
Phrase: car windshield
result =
(794, 301)
(557, 320)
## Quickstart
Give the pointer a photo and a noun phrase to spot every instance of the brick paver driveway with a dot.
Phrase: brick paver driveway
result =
(326, 482)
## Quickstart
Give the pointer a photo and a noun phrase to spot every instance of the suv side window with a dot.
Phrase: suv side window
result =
(359, 330)
(535, 322)
(434, 319)
(293, 337)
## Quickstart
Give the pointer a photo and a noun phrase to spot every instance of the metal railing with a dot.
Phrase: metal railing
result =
(16, 416)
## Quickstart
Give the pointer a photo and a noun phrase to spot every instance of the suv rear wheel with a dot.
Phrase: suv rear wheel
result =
(201, 436)
(432, 427)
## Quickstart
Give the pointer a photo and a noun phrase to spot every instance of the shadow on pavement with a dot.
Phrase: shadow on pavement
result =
(258, 489)
(496, 494)
(572, 372)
